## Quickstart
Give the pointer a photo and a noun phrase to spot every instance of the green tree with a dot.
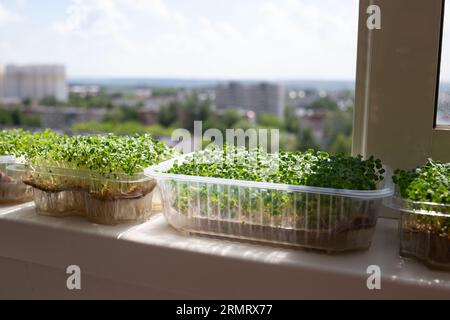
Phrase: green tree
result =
(269, 120)
(214, 123)
(33, 121)
(129, 113)
(164, 92)
(16, 117)
(306, 140)
(291, 121)
(324, 104)
(243, 124)
(5, 117)
(121, 114)
(230, 117)
(339, 122)
(168, 113)
(19, 118)
(101, 100)
(50, 101)
(129, 127)
(342, 145)
(288, 141)
(117, 95)
(193, 109)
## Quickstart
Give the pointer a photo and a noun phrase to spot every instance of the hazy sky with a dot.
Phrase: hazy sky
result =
(240, 39)
(445, 56)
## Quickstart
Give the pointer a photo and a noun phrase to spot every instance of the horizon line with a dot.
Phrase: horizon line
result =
(203, 78)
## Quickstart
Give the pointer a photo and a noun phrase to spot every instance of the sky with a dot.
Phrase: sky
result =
(205, 39)
(445, 54)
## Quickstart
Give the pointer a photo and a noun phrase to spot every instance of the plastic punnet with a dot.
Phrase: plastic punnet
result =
(12, 190)
(424, 229)
(332, 220)
(101, 198)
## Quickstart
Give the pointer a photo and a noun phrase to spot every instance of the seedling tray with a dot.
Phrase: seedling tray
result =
(332, 220)
(12, 190)
(100, 198)
(423, 230)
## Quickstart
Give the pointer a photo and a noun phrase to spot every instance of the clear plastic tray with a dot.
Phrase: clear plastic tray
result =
(12, 190)
(105, 199)
(333, 220)
(424, 229)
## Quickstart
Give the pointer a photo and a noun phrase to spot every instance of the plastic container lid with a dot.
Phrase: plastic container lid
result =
(397, 202)
(7, 159)
(158, 171)
(20, 169)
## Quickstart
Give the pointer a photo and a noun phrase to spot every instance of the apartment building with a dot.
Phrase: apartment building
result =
(33, 81)
(262, 97)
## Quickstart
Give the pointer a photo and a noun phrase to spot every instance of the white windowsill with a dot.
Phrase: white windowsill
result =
(152, 260)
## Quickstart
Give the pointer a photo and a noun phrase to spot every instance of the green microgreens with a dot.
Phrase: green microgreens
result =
(428, 183)
(102, 154)
(106, 154)
(14, 142)
(318, 169)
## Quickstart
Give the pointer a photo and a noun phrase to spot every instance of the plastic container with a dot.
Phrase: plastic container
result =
(424, 230)
(333, 220)
(60, 204)
(104, 199)
(12, 190)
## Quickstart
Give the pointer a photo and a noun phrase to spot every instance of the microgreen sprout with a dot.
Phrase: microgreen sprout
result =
(428, 183)
(428, 186)
(318, 169)
(103, 154)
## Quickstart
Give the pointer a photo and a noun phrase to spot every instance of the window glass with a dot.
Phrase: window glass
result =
(443, 111)
(161, 64)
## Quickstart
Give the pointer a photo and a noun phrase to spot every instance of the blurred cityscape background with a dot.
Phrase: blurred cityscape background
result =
(155, 65)
(309, 114)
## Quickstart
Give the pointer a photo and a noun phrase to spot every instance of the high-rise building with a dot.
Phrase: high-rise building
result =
(262, 97)
(34, 82)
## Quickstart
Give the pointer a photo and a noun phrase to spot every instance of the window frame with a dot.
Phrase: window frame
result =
(403, 55)
(441, 39)
(397, 83)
